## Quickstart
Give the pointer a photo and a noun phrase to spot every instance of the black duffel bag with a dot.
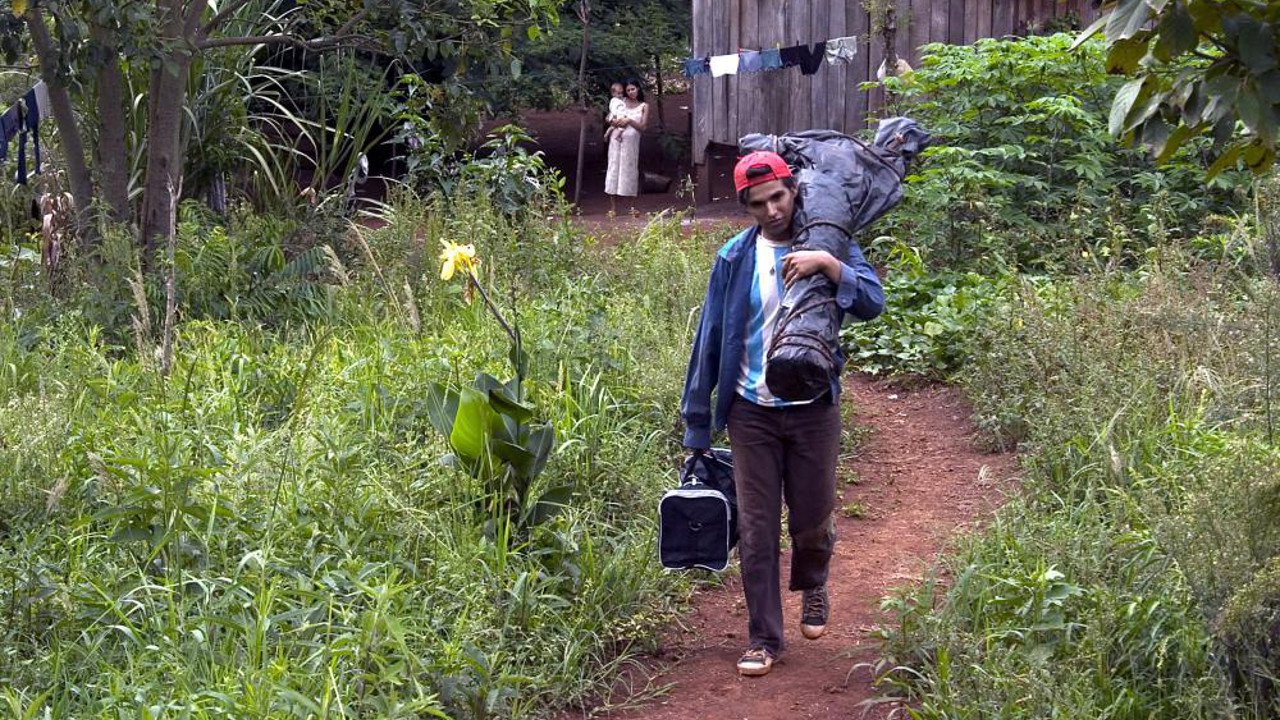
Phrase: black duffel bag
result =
(698, 521)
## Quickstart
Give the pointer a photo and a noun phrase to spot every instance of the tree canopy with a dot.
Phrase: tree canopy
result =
(626, 36)
(1198, 66)
(102, 52)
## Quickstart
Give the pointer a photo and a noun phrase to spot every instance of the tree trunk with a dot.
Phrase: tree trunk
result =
(657, 75)
(65, 120)
(166, 99)
(584, 14)
(112, 159)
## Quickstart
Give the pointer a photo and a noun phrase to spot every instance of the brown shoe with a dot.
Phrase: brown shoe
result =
(755, 662)
(813, 614)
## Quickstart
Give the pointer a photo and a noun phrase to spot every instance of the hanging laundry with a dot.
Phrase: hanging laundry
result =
(42, 100)
(21, 176)
(790, 56)
(807, 57)
(771, 59)
(696, 66)
(9, 126)
(842, 50)
(722, 65)
(28, 124)
(33, 123)
(750, 61)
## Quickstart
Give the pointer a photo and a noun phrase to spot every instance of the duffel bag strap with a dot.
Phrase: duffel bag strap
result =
(687, 475)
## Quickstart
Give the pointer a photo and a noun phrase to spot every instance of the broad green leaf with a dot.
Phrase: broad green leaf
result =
(1206, 14)
(442, 408)
(470, 436)
(1090, 31)
(541, 440)
(549, 504)
(485, 383)
(1226, 161)
(1124, 55)
(519, 458)
(1256, 44)
(1254, 113)
(504, 403)
(1176, 33)
(1143, 111)
(1123, 103)
(1127, 19)
(1174, 141)
(1256, 156)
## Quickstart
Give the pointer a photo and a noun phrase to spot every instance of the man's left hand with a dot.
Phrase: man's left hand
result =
(801, 264)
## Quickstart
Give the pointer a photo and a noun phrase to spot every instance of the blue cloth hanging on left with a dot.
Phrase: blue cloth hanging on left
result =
(29, 123)
(9, 122)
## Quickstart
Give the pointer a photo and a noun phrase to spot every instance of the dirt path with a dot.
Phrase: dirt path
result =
(920, 480)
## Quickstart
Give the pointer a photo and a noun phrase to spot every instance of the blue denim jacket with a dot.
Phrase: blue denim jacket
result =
(722, 330)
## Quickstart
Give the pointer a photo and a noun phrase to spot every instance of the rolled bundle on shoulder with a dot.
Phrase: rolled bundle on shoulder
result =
(844, 184)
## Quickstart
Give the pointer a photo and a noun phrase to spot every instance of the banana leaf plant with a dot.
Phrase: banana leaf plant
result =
(494, 438)
(490, 428)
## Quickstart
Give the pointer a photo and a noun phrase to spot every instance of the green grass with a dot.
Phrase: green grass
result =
(1141, 403)
(270, 532)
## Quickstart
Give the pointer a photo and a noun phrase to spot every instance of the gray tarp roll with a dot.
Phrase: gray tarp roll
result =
(844, 185)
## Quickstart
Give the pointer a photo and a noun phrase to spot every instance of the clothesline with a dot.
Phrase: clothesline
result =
(22, 119)
(808, 57)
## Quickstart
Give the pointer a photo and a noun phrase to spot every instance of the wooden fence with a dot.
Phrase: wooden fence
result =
(778, 101)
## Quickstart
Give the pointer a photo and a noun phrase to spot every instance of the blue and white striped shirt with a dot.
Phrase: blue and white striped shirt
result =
(767, 289)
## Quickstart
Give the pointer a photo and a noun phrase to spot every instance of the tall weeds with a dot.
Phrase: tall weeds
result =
(270, 531)
(1140, 403)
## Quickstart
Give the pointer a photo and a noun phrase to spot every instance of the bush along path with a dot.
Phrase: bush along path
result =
(911, 478)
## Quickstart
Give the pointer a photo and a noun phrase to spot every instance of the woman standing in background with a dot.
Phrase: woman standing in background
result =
(623, 175)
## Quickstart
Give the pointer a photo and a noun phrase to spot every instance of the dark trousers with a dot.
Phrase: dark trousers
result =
(783, 453)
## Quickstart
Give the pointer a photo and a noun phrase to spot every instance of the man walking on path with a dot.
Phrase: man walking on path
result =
(781, 450)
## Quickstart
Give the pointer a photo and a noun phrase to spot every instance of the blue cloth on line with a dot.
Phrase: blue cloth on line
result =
(750, 61)
(696, 66)
(771, 59)
(9, 123)
(33, 124)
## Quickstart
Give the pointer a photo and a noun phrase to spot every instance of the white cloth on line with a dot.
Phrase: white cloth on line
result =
(42, 99)
(722, 65)
(842, 50)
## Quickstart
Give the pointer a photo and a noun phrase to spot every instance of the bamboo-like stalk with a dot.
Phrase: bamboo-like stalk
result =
(170, 280)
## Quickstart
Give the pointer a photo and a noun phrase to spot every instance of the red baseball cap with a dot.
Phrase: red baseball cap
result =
(766, 166)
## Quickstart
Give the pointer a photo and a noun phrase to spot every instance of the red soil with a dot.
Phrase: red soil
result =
(921, 480)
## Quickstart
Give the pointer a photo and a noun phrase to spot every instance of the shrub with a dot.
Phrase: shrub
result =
(1025, 171)
(1249, 628)
(929, 321)
(1141, 402)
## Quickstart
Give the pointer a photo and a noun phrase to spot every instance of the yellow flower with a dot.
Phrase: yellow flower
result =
(19, 7)
(457, 258)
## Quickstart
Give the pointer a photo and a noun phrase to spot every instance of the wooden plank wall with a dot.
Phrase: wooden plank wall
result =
(784, 100)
